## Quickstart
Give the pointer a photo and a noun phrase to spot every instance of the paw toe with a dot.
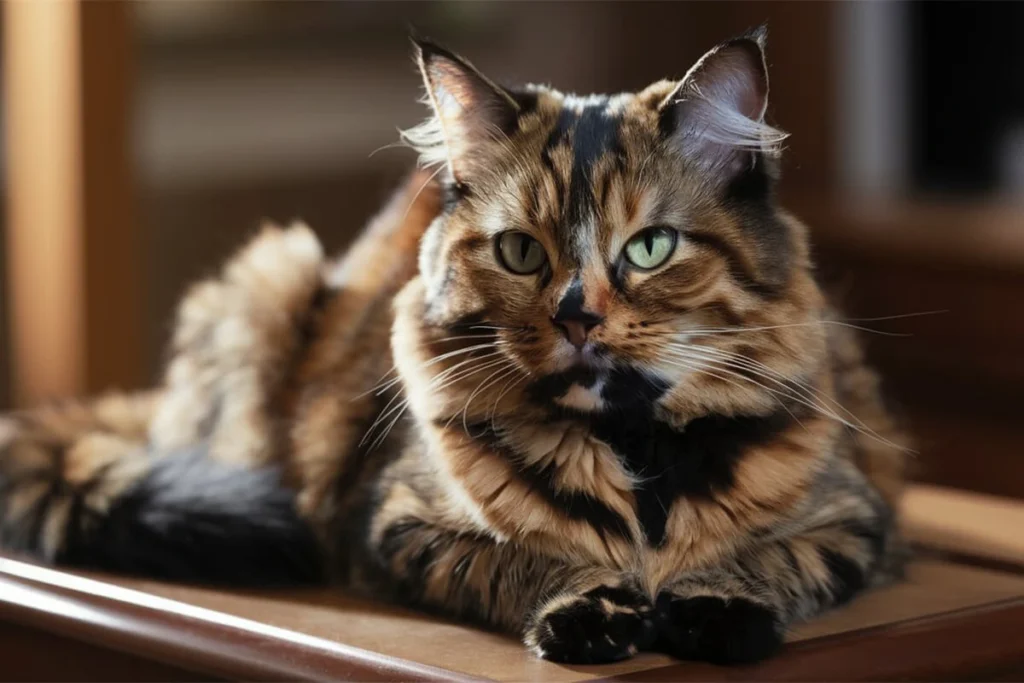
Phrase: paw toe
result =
(602, 626)
(720, 631)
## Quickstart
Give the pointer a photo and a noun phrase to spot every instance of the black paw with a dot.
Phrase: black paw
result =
(603, 625)
(711, 629)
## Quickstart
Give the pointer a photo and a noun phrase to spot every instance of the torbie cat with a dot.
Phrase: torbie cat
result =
(576, 383)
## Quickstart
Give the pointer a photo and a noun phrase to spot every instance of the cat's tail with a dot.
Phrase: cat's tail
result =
(79, 486)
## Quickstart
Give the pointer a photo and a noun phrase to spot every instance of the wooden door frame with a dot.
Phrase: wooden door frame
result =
(72, 244)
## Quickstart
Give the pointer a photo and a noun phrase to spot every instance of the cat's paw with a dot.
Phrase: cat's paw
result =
(712, 629)
(606, 624)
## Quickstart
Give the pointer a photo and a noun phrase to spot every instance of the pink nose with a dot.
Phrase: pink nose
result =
(572, 318)
(576, 332)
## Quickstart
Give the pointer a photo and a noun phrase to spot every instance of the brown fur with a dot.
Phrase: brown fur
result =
(722, 467)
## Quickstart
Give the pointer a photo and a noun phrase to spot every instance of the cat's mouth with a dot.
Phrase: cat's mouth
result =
(589, 356)
(590, 390)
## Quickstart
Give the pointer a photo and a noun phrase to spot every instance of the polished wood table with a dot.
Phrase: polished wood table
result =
(952, 619)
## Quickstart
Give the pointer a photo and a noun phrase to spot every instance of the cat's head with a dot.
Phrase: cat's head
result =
(603, 250)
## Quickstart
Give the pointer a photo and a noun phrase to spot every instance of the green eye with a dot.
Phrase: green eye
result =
(651, 248)
(520, 253)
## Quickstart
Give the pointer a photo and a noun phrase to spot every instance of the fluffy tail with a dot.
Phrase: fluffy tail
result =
(185, 483)
(79, 487)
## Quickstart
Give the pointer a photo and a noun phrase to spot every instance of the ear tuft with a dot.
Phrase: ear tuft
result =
(717, 111)
(469, 110)
(758, 34)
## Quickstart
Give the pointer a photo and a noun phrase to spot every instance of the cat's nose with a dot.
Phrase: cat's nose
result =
(574, 321)
(572, 316)
(577, 329)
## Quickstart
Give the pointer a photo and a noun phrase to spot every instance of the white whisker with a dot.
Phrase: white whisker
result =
(805, 400)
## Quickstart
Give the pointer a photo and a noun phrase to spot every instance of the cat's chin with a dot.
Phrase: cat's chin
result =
(584, 399)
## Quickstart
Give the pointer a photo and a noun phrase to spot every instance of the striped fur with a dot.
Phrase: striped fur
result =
(600, 457)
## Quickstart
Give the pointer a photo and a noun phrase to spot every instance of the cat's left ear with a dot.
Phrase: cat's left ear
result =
(470, 111)
(716, 112)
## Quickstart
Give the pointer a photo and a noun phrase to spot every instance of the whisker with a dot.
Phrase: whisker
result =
(804, 400)
(841, 322)
(420, 191)
(698, 367)
(508, 387)
(381, 388)
(438, 383)
(770, 374)
(503, 368)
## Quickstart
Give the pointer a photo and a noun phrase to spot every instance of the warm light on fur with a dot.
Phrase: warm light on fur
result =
(600, 457)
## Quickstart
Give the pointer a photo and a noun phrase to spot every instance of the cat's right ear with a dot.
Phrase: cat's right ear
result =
(470, 111)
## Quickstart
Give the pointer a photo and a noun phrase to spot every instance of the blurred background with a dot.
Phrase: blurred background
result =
(142, 141)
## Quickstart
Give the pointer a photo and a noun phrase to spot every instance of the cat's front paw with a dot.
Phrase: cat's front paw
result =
(606, 624)
(734, 631)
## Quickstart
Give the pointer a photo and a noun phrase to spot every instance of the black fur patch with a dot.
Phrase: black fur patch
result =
(571, 306)
(629, 388)
(592, 133)
(697, 461)
(846, 578)
(194, 519)
(714, 630)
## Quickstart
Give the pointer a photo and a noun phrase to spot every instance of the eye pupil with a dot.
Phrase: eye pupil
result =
(651, 247)
(520, 253)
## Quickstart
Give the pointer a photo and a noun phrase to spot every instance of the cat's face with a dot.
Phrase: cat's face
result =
(596, 249)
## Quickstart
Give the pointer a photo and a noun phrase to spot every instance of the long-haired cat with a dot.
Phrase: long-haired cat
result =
(576, 382)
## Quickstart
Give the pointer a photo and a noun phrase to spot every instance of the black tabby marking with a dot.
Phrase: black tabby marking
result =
(592, 132)
(697, 461)
(574, 504)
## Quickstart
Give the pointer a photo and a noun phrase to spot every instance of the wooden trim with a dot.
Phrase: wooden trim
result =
(185, 636)
(29, 656)
(72, 254)
(44, 227)
(977, 643)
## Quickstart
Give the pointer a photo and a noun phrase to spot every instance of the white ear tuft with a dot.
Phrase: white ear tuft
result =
(717, 111)
(469, 111)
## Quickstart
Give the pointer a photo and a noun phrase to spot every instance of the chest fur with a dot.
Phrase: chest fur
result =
(628, 490)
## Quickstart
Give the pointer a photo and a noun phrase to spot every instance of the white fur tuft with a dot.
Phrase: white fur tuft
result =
(723, 125)
(428, 140)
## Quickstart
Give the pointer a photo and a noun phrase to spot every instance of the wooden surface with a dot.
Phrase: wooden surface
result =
(325, 635)
(947, 620)
(966, 524)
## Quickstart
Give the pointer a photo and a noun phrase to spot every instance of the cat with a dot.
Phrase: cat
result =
(576, 382)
